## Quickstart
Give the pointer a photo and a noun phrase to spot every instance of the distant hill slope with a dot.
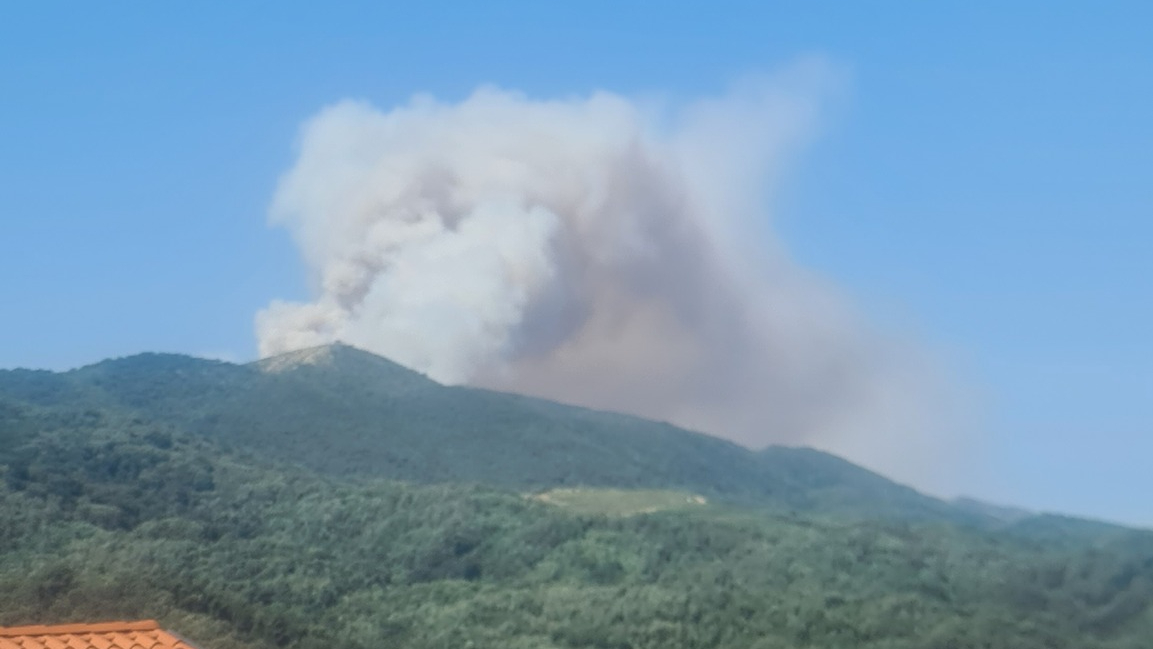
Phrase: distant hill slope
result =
(107, 517)
(175, 488)
(346, 412)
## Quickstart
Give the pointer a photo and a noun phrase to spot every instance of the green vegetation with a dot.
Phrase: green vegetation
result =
(113, 511)
(344, 412)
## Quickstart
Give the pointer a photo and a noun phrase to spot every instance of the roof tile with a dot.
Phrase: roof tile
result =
(145, 634)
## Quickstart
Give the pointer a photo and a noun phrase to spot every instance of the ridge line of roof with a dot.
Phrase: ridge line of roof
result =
(62, 629)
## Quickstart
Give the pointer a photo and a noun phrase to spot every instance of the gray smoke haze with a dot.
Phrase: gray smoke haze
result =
(592, 250)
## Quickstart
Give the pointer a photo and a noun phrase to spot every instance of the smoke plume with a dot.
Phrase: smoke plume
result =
(593, 250)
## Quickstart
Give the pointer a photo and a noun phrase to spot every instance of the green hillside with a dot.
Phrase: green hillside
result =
(111, 518)
(314, 501)
(345, 412)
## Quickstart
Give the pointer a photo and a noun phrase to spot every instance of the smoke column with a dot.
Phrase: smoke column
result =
(593, 250)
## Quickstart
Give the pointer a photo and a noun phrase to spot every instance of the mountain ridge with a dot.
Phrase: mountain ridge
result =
(346, 412)
(225, 500)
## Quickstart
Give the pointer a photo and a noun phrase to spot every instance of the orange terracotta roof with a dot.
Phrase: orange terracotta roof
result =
(145, 634)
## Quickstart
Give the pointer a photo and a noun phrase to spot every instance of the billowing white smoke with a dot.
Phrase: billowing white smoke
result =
(590, 250)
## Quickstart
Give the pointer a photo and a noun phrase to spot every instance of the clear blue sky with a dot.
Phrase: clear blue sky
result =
(984, 182)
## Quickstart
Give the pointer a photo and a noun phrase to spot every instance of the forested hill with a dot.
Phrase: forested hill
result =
(345, 412)
(247, 507)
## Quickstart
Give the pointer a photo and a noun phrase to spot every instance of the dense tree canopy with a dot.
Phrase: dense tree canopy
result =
(110, 511)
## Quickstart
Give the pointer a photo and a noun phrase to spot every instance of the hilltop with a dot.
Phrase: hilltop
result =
(330, 497)
(345, 412)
